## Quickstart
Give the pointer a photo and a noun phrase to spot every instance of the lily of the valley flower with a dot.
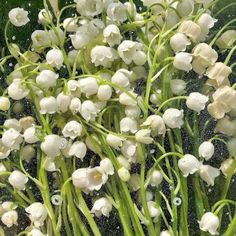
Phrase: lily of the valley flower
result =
(206, 150)
(188, 164)
(209, 223)
(173, 118)
(18, 180)
(10, 218)
(209, 173)
(18, 16)
(102, 206)
(182, 61)
(196, 101)
(4, 103)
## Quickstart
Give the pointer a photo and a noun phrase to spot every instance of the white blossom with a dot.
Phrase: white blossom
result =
(188, 164)
(143, 136)
(209, 173)
(4, 150)
(18, 16)
(104, 92)
(206, 150)
(78, 149)
(102, 206)
(190, 29)
(178, 86)
(107, 166)
(88, 110)
(112, 35)
(63, 102)
(10, 218)
(155, 178)
(18, 180)
(44, 17)
(47, 79)
(55, 58)
(70, 24)
(196, 101)
(128, 125)
(75, 105)
(124, 174)
(90, 8)
(182, 61)
(72, 129)
(36, 232)
(4, 103)
(89, 86)
(114, 141)
(129, 99)
(179, 42)
(153, 210)
(209, 223)
(117, 12)
(173, 118)
(16, 90)
(30, 135)
(226, 39)
(48, 105)
(12, 139)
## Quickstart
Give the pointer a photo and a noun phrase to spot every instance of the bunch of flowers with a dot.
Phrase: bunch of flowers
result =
(120, 113)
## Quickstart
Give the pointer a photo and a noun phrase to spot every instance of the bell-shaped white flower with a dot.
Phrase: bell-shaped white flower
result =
(107, 166)
(132, 111)
(112, 35)
(10, 218)
(48, 105)
(128, 99)
(102, 206)
(63, 102)
(75, 105)
(154, 211)
(47, 79)
(72, 129)
(122, 77)
(90, 8)
(184, 8)
(178, 86)
(12, 123)
(4, 103)
(30, 135)
(124, 174)
(173, 118)
(182, 61)
(156, 178)
(52, 145)
(78, 149)
(12, 139)
(18, 16)
(26, 122)
(97, 177)
(140, 58)
(70, 24)
(124, 162)
(40, 38)
(27, 153)
(114, 141)
(179, 42)
(196, 101)
(55, 58)
(117, 12)
(37, 213)
(188, 164)
(227, 39)
(143, 136)
(89, 86)
(88, 110)
(18, 180)
(206, 150)
(209, 223)
(44, 17)
(4, 150)
(80, 179)
(16, 90)
(36, 232)
(190, 29)
(104, 92)
(129, 149)
(209, 173)
(226, 165)
(128, 125)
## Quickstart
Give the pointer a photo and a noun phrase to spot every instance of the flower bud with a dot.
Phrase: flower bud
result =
(18, 180)
(173, 118)
(63, 102)
(102, 206)
(226, 126)
(88, 110)
(70, 24)
(4, 103)
(132, 111)
(44, 17)
(47, 79)
(153, 210)
(114, 141)
(188, 164)
(185, 8)
(140, 58)
(190, 29)
(16, 90)
(122, 77)
(112, 35)
(80, 178)
(206, 150)
(9, 218)
(128, 125)
(208, 174)
(48, 105)
(165, 233)
(156, 178)
(4, 150)
(226, 165)
(124, 174)
(127, 100)
(123, 162)
(12, 123)
(179, 42)
(72, 129)
(27, 153)
(30, 135)
(104, 92)
(227, 39)
(88, 86)
(55, 58)
(143, 136)
(36, 232)
(75, 105)
(196, 101)
(107, 166)
(182, 61)
(18, 17)
(78, 149)
(12, 139)
(209, 223)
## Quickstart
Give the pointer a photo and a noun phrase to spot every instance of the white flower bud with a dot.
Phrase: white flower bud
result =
(173, 118)
(209, 223)
(52, 144)
(63, 102)
(27, 153)
(114, 141)
(156, 178)
(12, 123)
(128, 125)
(123, 162)
(102, 206)
(26, 122)
(132, 111)
(75, 105)
(4, 103)
(124, 174)
(18, 16)
(112, 35)
(48, 105)
(30, 135)
(185, 8)
(122, 77)
(80, 178)
(12, 139)
(188, 164)
(89, 8)
(179, 42)
(36, 232)
(182, 61)
(226, 165)
(72, 129)
(227, 39)
(153, 210)
(178, 86)
(217, 109)
(47, 79)
(196, 101)
(107, 166)
(18, 180)
(117, 12)
(55, 58)
(44, 17)
(89, 86)
(127, 100)
(37, 213)
(190, 29)
(143, 136)
(208, 174)
(88, 110)
(140, 58)
(40, 38)
(78, 149)
(9, 218)
(206, 150)
(16, 90)
(104, 92)
(4, 150)
(70, 24)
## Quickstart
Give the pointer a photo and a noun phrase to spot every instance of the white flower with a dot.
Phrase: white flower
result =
(209, 223)
(123, 162)
(185, 8)
(72, 129)
(128, 99)
(128, 125)
(18, 180)
(206, 150)
(156, 178)
(25, 123)
(182, 61)
(80, 179)
(75, 105)
(112, 35)
(37, 213)
(103, 56)
(12, 123)
(140, 58)
(78, 149)
(143, 136)
(30, 135)
(4, 103)
(48, 105)
(196, 101)
(44, 17)
(16, 90)
(4, 150)
(124, 174)
(102, 206)
(90, 8)
(173, 118)
(27, 153)
(122, 77)
(36, 232)
(55, 58)
(63, 102)
(70, 24)
(117, 12)
(188, 164)
(129, 149)
(52, 144)
(179, 42)
(47, 79)
(190, 29)
(226, 166)
(9, 218)
(178, 86)
(153, 210)
(12, 139)
(88, 85)
(227, 39)
(156, 125)
(165, 233)
(114, 141)
(40, 38)
(208, 174)
(107, 166)
(104, 92)
(88, 110)
(132, 111)
(18, 16)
